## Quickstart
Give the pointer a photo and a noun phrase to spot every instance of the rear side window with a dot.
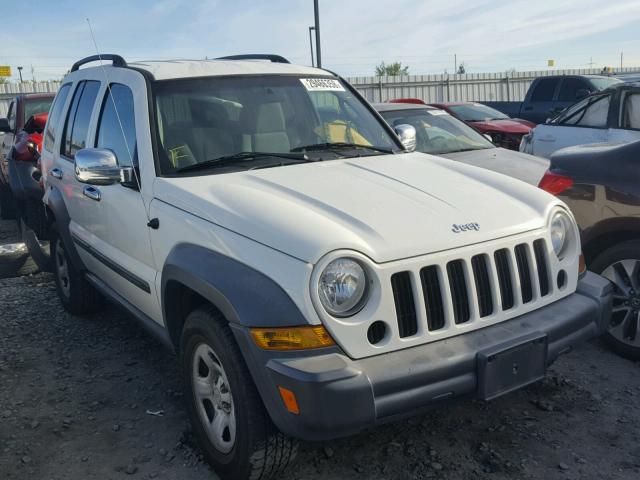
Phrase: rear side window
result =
(543, 92)
(77, 124)
(54, 117)
(569, 89)
(591, 113)
(631, 114)
(116, 126)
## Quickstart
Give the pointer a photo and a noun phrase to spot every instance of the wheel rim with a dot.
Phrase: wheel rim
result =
(213, 398)
(625, 318)
(62, 269)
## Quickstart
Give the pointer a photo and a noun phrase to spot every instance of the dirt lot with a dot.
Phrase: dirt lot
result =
(95, 398)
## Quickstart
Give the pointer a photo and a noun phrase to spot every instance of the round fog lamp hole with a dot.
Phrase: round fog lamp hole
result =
(562, 279)
(376, 332)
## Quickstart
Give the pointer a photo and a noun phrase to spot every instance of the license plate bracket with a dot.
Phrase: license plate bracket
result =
(510, 366)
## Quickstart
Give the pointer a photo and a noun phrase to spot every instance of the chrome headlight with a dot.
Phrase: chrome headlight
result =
(342, 287)
(561, 230)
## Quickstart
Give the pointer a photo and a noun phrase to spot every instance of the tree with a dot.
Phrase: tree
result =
(392, 69)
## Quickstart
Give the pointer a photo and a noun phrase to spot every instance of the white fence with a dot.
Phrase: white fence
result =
(510, 86)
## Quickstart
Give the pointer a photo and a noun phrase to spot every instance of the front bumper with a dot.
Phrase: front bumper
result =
(339, 396)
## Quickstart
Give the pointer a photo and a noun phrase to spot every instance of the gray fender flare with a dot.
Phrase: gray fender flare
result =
(243, 295)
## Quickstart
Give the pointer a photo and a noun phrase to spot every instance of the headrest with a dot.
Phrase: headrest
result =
(270, 118)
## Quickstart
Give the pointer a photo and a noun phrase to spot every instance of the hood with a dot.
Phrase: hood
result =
(518, 165)
(508, 125)
(386, 207)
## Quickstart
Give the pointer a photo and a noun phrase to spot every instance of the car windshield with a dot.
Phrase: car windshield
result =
(604, 83)
(41, 105)
(475, 112)
(437, 132)
(200, 121)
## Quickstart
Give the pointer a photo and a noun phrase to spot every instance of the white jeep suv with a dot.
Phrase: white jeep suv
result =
(314, 275)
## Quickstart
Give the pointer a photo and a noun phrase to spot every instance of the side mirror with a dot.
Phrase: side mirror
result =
(99, 166)
(582, 93)
(488, 137)
(407, 135)
(4, 125)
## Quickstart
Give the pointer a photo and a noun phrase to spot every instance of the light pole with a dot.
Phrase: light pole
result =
(20, 72)
(311, 45)
(317, 28)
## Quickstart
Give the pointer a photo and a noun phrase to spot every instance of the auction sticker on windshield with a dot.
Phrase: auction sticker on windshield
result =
(437, 112)
(322, 84)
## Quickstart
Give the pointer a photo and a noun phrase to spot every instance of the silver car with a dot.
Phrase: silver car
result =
(439, 133)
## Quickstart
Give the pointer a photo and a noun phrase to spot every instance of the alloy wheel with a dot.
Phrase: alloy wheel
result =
(213, 398)
(625, 318)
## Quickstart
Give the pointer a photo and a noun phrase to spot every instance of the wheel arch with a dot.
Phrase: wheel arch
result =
(193, 275)
(607, 233)
(57, 213)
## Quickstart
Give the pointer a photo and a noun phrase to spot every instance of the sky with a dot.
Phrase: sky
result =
(487, 36)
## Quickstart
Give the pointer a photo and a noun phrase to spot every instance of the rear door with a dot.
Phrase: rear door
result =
(586, 122)
(540, 104)
(627, 128)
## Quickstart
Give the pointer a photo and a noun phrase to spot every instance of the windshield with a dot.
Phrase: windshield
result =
(604, 83)
(437, 132)
(475, 112)
(31, 107)
(204, 119)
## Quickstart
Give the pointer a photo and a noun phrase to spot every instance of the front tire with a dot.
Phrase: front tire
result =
(76, 294)
(620, 264)
(237, 436)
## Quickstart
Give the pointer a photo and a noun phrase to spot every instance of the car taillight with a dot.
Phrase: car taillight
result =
(555, 183)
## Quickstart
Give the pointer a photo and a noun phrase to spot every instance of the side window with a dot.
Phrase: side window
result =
(12, 116)
(569, 89)
(77, 124)
(593, 114)
(116, 126)
(631, 114)
(55, 116)
(544, 90)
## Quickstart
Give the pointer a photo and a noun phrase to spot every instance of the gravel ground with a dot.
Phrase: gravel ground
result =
(95, 398)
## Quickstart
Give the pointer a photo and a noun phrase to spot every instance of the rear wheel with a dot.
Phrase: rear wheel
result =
(75, 292)
(229, 420)
(620, 264)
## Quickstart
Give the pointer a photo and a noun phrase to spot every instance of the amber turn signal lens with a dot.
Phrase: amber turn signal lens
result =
(289, 399)
(292, 338)
(582, 266)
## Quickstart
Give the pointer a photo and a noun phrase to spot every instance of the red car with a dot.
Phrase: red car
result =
(504, 131)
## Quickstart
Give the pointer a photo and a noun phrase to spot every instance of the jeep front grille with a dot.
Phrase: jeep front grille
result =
(471, 289)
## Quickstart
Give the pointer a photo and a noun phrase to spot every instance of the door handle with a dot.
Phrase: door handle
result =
(56, 173)
(92, 192)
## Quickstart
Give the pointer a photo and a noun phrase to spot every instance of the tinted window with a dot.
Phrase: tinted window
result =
(77, 124)
(31, 107)
(54, 117)
(120, 139)
(543, 92)
(570, 87)
(476, 112)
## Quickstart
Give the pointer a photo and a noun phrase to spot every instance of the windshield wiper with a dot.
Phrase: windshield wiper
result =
(242, 156)
(332, 145)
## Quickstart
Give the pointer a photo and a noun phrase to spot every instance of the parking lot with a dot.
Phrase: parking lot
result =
(96, 398)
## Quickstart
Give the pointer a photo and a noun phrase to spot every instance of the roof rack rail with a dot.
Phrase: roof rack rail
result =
(117, 60)
(256, 56)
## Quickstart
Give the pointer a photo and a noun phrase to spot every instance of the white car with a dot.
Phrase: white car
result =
(314, 276)
(608, 117)
(438, 133)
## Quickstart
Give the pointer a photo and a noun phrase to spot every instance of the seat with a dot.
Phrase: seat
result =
(270, 129)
